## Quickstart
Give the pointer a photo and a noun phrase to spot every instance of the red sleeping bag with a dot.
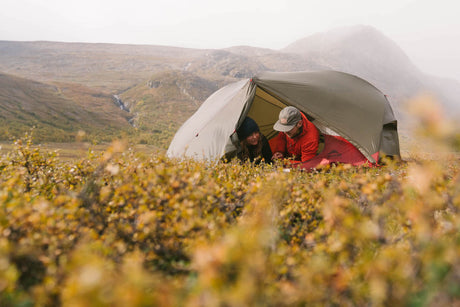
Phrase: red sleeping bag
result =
(337, 150)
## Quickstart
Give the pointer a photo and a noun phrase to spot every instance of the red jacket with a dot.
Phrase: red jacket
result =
(302, 147)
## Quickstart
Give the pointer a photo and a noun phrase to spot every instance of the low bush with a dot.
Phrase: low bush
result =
(123, 229)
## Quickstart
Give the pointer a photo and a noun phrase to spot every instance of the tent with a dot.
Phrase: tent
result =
(345, 108)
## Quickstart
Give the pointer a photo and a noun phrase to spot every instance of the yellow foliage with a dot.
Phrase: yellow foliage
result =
(122, 229)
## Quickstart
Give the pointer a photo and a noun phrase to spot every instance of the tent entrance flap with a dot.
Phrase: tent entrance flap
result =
(264, 110)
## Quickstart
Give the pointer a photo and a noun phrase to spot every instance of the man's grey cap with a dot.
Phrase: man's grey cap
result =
(288, 118)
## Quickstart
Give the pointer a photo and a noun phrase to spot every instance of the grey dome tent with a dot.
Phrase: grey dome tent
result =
(337, 103)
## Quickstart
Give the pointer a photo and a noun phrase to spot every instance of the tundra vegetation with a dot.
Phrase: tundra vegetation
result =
(122, 228)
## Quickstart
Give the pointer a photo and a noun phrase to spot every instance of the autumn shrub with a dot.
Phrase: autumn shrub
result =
(124, 229)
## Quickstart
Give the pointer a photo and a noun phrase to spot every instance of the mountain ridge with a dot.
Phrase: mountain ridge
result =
(189, 75)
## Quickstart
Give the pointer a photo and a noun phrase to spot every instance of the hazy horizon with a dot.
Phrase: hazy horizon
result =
(428, 32)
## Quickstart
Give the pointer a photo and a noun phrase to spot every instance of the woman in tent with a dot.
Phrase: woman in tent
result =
(254, 145)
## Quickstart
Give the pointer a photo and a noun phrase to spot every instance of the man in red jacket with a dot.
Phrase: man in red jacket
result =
(298, 138)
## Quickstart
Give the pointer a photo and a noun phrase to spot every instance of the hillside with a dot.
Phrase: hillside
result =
(109, 67)
(161, 103)
(154, 80)
(56, 111)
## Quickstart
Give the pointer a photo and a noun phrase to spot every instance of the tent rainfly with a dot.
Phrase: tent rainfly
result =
(339, 104)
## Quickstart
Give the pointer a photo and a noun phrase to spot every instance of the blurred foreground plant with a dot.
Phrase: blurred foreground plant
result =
(124, 229)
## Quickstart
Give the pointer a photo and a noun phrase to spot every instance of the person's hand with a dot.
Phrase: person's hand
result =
(278, 155)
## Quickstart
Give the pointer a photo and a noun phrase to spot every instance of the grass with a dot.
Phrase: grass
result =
(79, 150)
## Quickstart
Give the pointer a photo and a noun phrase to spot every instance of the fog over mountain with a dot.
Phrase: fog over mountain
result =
(151, 79)
(367, 53)
(364, 51)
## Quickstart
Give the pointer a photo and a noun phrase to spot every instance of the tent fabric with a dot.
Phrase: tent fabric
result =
(345, 103)
(337, 103)
(206, 133)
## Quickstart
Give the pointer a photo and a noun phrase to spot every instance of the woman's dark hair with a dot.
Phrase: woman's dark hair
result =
(247, 127)
(253, 153)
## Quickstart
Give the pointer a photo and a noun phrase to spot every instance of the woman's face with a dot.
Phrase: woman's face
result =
(253, 139)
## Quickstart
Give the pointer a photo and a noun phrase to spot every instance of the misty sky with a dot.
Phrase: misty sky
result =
(427, 30)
